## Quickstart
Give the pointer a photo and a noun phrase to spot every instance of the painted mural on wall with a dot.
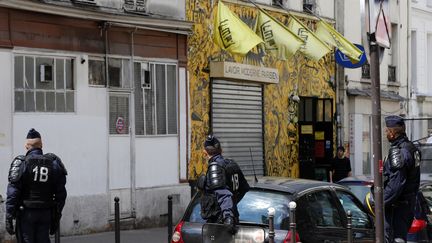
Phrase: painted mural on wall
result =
(298, 76)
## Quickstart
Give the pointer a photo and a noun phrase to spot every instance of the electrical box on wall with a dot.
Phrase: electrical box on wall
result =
(46, 73)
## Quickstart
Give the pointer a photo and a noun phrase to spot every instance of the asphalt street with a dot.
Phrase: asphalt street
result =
(153, 235)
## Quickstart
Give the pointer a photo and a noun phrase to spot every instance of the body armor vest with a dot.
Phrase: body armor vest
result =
(413, 169)
(38, 181)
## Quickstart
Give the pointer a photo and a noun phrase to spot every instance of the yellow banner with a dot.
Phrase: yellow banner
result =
(328, 34)
(279, 41)
(313, 47)
(231, 34)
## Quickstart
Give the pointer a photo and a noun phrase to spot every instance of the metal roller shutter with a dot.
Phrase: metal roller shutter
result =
(237, 120)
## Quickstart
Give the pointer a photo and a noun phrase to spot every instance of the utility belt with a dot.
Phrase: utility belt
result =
(38, 204)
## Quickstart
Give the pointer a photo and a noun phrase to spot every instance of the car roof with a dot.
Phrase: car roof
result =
(357, 178)
(290, 185)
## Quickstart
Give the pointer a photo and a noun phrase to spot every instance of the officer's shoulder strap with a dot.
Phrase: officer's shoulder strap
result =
(17, 168)
(53, 157)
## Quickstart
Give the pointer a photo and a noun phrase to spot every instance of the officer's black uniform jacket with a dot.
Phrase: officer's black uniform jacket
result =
(401, 182)
(35, 184)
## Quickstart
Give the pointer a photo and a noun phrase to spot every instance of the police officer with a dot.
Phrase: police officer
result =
(36, 193)
(223, 186)
(401, 181)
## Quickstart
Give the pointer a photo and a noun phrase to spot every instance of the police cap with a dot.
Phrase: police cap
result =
(33, 134)
(394, 121)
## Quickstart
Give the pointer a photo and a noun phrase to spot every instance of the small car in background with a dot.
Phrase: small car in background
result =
(421, 227)
(320, 213)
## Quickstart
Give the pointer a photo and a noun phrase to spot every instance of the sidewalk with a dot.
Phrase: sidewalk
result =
(153, 235)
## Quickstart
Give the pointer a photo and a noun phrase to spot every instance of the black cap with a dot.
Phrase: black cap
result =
(33, 134)
(211, 141)
(341, 148)
(394, 121)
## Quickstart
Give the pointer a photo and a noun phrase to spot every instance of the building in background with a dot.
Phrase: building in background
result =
(282, 127)
(354, 85)
(420, 73)
(104, 82)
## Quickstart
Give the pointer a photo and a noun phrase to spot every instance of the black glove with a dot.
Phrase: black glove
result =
(230, 224)
(10, 226)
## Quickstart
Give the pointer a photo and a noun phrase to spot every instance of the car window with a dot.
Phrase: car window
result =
(359, 191)
(427, 193)
(360, 218)
(254, 208)
(318, 209)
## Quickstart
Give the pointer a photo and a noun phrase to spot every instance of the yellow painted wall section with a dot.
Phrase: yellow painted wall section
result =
(299, 76)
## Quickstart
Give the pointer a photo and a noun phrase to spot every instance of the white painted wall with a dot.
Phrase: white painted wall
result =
(6, 82)
(157, 161)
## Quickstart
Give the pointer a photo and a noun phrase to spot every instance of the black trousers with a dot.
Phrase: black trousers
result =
(398, 218)
(35, 225)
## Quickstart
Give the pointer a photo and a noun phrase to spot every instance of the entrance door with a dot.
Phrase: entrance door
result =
(119, 152)
(315, 137)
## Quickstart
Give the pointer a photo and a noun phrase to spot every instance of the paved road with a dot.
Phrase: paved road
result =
(154, 235)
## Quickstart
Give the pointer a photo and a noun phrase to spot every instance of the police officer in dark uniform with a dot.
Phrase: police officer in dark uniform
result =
(401, 181)
(223, 186)
(36, 193)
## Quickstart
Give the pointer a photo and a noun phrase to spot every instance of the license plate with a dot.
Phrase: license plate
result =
(214, 233)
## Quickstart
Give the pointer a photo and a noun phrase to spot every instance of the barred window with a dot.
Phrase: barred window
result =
(155, 98)
(43, 84)
(119, 113)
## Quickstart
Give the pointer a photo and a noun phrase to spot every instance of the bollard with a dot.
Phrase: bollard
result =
(57, 234)
(117, 219)
(292, 207)
(349, 226)
(271, 214)
(170, 219)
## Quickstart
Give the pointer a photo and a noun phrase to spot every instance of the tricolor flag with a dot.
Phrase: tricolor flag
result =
(278, 39)
(328, 34)
(314, 48)
(231, 34)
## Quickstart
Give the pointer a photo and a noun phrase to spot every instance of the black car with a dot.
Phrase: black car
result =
(320, 213)
(421, 227)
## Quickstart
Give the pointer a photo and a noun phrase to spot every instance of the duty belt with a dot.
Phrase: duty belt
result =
(38, 204)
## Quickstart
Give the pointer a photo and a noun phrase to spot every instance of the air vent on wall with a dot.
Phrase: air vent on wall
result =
(135, 5)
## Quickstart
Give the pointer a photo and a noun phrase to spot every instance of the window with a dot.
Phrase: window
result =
(391, 73)
(254, 208)
(394, 54)
(360, 218)
(319, 210)
(366, 71)
(315, 110)
(155, 98)
(119, 114)
(43, 84)
(97, 72)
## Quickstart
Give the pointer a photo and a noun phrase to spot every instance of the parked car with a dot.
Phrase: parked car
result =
(320, 213)
(421, 227)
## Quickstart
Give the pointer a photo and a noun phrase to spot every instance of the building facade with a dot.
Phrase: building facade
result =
(104, 82)
(278, 126)
(420, 73)
(354, 85)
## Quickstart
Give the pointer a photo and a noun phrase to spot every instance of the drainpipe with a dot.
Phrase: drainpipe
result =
(132, 128)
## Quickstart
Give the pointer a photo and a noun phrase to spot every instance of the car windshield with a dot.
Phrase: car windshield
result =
(253, 208)
(359, 191)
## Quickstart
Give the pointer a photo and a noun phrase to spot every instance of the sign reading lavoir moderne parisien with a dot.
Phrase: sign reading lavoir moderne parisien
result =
(240, 71)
